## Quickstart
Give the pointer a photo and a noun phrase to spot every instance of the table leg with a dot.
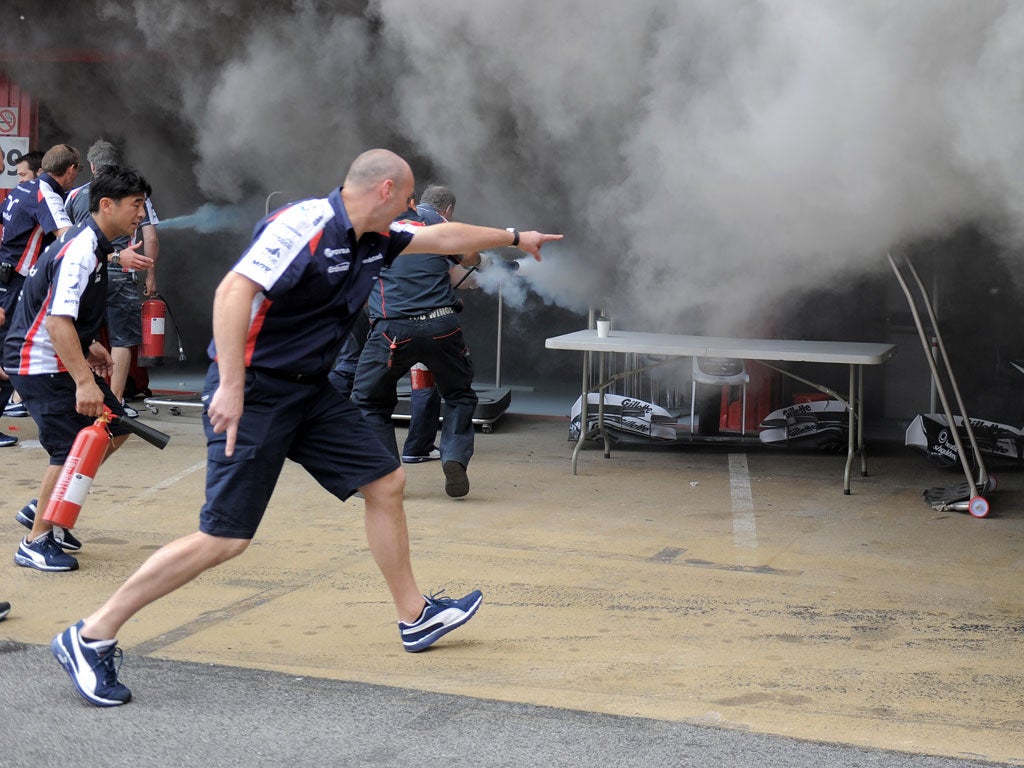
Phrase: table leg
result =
(601, 360)
(851, 437)
(583, 410)
(860, 422)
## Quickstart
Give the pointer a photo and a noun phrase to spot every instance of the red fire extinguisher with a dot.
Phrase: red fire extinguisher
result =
(154, 318)
(420, 377)
(79, 471)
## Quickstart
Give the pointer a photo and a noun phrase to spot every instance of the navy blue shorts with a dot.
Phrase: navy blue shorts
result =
(124, 309)
(309, 423)
(50, 401)
(8, 302)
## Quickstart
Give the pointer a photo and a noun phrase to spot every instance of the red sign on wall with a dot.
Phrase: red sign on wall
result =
(8, 121)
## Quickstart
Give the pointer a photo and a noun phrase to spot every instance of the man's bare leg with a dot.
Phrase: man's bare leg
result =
(122, 364)
(388, 538)
(170, 567)
(39, 526)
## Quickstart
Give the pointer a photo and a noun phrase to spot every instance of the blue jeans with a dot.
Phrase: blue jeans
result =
(425, 411)
(392, 348)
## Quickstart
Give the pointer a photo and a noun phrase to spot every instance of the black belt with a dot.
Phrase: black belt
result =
(433, 314)
(297, 378)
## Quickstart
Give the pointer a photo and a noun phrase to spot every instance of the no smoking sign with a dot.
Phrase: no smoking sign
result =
(8, 121)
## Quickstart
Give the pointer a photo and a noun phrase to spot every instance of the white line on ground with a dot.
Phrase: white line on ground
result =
(744, 526)
(165, 484)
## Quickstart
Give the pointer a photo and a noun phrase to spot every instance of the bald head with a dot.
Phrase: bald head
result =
(377, 165)
(376, 189)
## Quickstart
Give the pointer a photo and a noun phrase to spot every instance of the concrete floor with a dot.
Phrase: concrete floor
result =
(737, 590)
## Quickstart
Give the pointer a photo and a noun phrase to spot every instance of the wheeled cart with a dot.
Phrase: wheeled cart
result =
(176, 403)
(492, 405)
(963, 497)
(493, 402)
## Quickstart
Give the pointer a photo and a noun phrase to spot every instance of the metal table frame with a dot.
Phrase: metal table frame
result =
(855, 354)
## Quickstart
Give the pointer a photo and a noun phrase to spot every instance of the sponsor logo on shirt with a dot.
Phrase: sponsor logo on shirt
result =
(343, 267)
(374, 258)
(329, 252)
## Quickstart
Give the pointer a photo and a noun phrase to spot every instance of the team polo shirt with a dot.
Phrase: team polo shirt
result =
(315, 278)
(415, 284)
(33, 212)
(68, 280)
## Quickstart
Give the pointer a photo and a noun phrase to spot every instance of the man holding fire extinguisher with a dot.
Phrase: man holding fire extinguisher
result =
(51, 352)
(124, 315)
(279, 318)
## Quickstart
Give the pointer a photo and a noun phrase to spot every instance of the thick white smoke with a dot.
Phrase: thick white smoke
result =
(704, 157)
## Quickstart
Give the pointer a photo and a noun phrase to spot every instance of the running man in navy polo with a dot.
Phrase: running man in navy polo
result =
(279, 318)
(51, 352)
(33, 217)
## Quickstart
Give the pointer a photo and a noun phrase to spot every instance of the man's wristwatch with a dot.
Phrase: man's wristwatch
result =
(115, 258)
(515, 235)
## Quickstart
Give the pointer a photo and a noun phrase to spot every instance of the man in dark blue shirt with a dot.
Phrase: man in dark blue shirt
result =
(33, 217)
(414, 317)
(279, 319)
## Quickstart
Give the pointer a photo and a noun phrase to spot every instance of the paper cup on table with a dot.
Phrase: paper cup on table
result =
(603, 328)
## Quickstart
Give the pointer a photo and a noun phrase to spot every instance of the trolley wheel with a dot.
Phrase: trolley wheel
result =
(993, 483)
(175, 411)
(978, 507)
(152, 409)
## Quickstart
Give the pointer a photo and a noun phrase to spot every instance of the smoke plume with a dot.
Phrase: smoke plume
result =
(706, 159)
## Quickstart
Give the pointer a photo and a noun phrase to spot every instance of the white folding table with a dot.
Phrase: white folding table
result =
(852, 353)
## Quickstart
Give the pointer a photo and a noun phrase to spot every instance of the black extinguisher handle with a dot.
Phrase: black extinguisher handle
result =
(147, 433)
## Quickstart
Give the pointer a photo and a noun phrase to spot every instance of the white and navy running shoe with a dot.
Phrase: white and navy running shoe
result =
(44, 554)
(92, 667)
(440, 616)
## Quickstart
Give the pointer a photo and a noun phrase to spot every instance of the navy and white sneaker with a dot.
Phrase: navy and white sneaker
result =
(5, 608)
(6, 441)
(27, 515)
(130, 412)
(434, 455)
(15, 410)
(92, 667)
(440, 616)
(67, 540)
(44, 554)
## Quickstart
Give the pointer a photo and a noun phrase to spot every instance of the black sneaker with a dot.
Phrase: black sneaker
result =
(456, 483)
(6, 441)
(130, 412)
(5, 608)
(64, 537)
(92, 667)
(440, 616)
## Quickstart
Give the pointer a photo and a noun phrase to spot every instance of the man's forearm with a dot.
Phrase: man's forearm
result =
(455, 237)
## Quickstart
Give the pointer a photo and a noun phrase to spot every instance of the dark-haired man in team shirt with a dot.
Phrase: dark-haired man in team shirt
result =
(33, 217)
(51, 352)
